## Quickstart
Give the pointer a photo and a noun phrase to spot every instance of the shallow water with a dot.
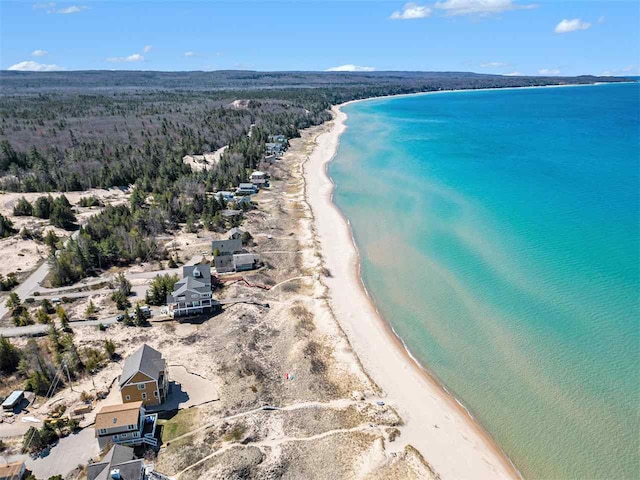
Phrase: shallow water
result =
(499, 234)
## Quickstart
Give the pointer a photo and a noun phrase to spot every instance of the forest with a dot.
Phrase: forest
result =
(73, 131)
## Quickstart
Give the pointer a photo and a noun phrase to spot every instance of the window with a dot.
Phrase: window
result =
(124, 435)
(144, 396)
(131, 427)
(128, 397)
(155, 394)
(102, 431)
(141, 386)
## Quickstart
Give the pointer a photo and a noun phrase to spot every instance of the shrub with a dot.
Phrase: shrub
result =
(23, 208)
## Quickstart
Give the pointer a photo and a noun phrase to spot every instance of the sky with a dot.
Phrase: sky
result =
(510, 37)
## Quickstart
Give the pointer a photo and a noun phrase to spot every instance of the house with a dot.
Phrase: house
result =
(235, 234)
(223, 263)
(259, 179)
(245, 261)
(13, 400)
(192, 293)
(269, 159)
(226, 247)
(224, 195)
(277, 138)
(243, 201)
(246, 189)
(144, 377)
(227, 213)
(12, 471)
(125, 424)
(273, 148)
(118, 463)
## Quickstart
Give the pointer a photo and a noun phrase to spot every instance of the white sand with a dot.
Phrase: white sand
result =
(457, 447)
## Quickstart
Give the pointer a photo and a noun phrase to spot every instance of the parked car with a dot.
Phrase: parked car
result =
(120, 318)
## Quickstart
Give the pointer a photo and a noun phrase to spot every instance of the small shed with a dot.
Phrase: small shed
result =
(12, 400)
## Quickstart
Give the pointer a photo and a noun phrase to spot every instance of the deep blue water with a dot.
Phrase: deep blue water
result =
(499, 233)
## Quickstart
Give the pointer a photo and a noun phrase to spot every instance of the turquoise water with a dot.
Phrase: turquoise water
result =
(499, 234)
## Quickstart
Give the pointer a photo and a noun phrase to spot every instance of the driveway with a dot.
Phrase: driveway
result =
(39, 329)
(188, 390)
(70, 452)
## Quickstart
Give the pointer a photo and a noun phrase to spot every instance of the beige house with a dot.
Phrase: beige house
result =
(12, 471)
(144, 377)
(125, 424)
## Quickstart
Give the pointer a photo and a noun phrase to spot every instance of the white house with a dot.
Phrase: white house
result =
(125, 424)
(260, 179)
(192, 294)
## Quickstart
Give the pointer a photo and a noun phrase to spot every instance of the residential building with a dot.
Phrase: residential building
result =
(246, 189)
(226, 247)
(243, 201)
(277, 138)
(224, 195)
(245, 261)
(223, 263)
(144, 377)
(269, 159)
(125, 424)
(118, 463)
(259, 179)
(228, 213)
(13, 471)
(192, 294)
(273, 148)
(235, 234)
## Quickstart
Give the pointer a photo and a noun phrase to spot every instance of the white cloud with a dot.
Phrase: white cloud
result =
(566, 26)
(31, 66)
(628, 70)
(350, 68)
(134, 57)
(549, 71)
(189, 54)
(411, 11)
(147, 48)
(44, 6)
(601, 19)
(39, 53)
(50, 7)
(512, 74)
(493, 64)
(71, 9)
(480, 7)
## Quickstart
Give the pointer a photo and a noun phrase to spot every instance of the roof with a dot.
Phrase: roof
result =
(8, 470)
(258, 173)
(245, 258)
(118, 415)
(230, 213)
(146, 360)
(119, 457)
(235, 230)
(228, 246)
(199, 271)
(13, 398)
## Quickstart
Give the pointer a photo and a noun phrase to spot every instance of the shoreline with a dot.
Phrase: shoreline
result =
(437, 423)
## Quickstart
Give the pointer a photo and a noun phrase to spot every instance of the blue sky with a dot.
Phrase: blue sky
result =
(493, 36)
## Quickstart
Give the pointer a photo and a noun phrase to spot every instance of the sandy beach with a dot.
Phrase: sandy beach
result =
(435, 423)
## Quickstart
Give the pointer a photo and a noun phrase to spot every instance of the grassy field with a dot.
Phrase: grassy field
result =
(183, 422)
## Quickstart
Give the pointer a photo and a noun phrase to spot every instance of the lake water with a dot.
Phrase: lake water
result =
(499, 234)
